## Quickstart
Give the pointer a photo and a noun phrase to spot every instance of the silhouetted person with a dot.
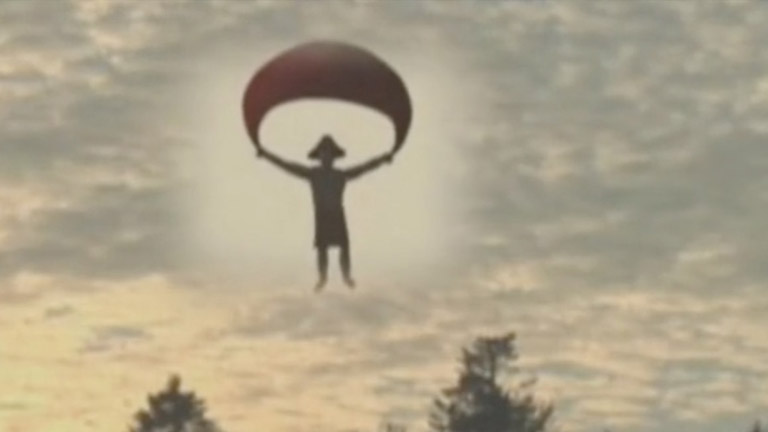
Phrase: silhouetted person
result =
(328, 184)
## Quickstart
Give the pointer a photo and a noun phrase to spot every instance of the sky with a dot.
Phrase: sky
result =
(590, 175)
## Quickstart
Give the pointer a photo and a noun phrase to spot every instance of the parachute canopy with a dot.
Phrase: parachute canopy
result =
(326, 69)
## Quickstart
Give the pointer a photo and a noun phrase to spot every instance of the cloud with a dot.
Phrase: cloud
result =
(110, 337)
(54, 312)
(612, 199)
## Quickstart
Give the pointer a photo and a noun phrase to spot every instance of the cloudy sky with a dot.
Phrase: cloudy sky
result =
(591, 175)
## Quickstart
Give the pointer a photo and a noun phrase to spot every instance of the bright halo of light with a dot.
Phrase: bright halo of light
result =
(248, 221)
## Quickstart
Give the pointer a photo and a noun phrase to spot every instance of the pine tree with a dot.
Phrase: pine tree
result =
(172, 410)
(479, 403)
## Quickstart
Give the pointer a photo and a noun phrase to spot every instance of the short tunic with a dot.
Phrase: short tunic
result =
(327, 196)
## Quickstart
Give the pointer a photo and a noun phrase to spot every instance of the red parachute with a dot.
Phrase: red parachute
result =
(326, 69)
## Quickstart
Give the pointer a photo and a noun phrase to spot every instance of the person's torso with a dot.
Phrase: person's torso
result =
(327, 189)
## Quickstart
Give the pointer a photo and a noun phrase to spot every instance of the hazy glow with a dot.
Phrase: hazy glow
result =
(249, 220)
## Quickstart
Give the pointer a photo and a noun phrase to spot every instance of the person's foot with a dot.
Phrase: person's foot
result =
(320, 284)
(349, 281)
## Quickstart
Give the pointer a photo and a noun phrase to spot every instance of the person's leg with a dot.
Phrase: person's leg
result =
(322, 267)
(346, 265)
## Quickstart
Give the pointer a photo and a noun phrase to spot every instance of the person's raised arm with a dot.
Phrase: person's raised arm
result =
(366, 167)
(289, 167)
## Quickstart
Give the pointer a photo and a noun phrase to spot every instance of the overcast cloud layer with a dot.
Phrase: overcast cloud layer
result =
(613, 214)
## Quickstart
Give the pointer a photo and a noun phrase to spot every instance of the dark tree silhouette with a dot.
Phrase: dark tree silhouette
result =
(479, 403)
(172, 410)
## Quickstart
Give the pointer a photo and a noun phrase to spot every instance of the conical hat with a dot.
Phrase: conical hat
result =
(326, 147)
